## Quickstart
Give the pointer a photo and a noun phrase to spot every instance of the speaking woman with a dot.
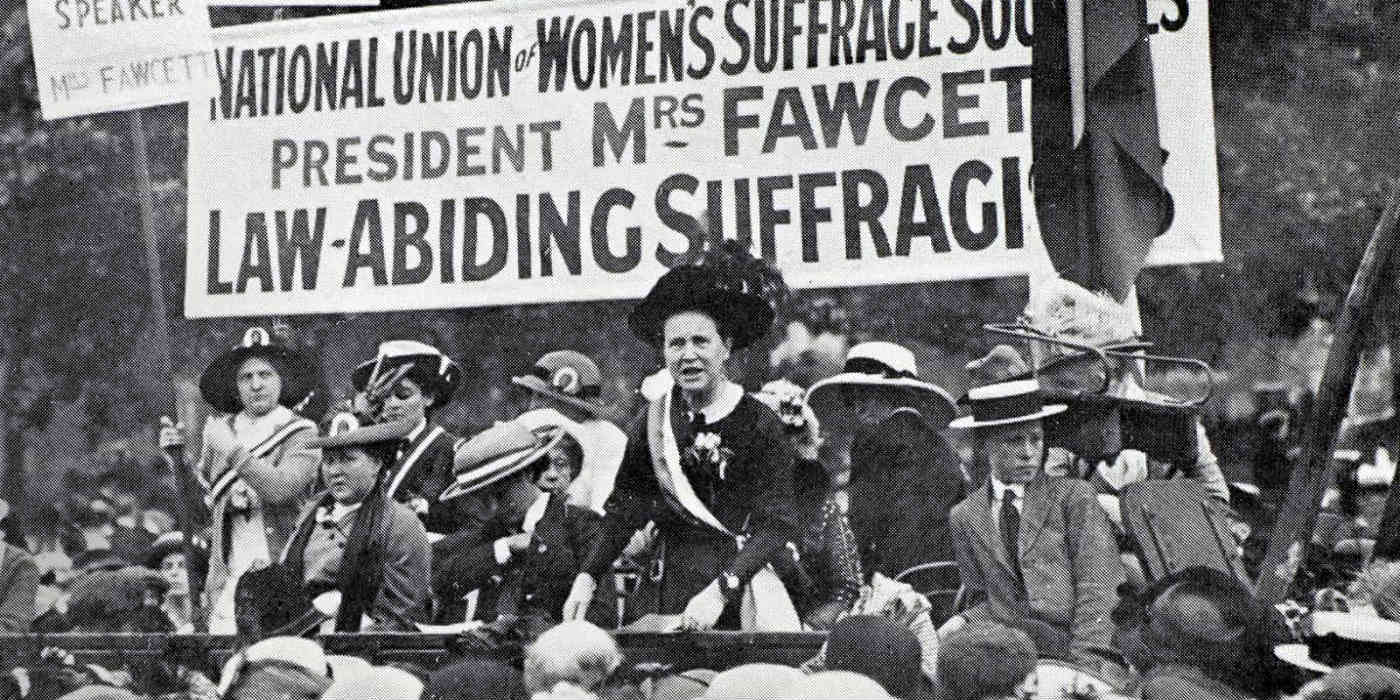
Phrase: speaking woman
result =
(709, 464)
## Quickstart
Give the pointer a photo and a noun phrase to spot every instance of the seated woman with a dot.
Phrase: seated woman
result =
(560, 535)
(355, 540)
(168, 557)
(524, 557)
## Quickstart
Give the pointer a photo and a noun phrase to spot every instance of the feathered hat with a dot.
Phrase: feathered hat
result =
(1062, 309)
(429, 368)
(727, 283)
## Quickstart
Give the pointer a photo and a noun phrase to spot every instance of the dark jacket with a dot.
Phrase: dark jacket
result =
(753, 496)
(904, 481)
(536, 581)
(424, 470)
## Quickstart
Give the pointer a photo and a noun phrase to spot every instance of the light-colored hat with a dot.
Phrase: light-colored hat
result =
(1335, 639)
(497, 453)
(1004, 403)
(1062, 309)
(834, 685)
(884, 365)
(568, 376)
(757, 680)
(432, 370)
(379, 683)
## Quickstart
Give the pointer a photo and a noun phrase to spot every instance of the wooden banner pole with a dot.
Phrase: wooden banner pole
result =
(162, 344)
(1293, 530)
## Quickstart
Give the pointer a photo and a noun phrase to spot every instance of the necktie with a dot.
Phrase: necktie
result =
(1011, 530)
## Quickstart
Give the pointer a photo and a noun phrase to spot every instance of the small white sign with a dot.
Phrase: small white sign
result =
(106, 55)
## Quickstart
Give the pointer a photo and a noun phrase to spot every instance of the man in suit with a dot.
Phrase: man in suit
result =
(1035, 552)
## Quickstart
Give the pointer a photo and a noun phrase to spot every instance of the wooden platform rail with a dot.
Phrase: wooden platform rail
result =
(682, 650)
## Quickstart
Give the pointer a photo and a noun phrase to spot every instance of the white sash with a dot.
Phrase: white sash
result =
(229, 476)
(766, 605)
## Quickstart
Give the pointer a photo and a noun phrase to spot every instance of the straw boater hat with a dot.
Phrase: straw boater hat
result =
(1062, 309)
(497, 453)
(567, 376)
(344, 431)
(1336, 639)
(219, 385)
(723, 285)
(430, 369)
(888, 367)
(1006, 393)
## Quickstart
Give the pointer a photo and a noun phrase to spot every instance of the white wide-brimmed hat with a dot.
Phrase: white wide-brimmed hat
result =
(432, 370)
(1004, 403)
(497, 453)
(883, 365)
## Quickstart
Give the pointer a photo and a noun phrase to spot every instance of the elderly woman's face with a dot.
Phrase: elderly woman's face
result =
(259, 386)
(695, 353)
(349, 474)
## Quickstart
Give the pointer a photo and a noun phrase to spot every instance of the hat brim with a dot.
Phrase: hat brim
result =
(499, 468)
(369, 435)
(1299, 655)
(934, 403)
(442, 386)
(219, 386)
(969, 422)
(747, 317)
(543, 388)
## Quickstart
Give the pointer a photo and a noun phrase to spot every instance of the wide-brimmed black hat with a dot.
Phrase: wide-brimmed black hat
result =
(219, 385)
(731, 300)
(430, 369)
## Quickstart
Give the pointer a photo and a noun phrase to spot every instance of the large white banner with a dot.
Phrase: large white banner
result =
(514, 152)
(106, 55)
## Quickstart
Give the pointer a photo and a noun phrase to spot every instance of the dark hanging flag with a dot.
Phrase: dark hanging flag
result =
(1101, 201)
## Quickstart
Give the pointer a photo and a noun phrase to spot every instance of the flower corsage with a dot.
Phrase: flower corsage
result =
(708, 453)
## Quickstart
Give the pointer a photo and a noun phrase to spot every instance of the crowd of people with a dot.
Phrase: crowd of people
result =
(1043, 535)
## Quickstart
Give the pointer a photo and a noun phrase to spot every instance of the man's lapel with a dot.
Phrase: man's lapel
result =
(1035, 508)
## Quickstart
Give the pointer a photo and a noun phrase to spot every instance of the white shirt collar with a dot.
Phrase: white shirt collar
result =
(999, 490)
(337, 513)
(726, 400)
(535, 512)
(417, 430)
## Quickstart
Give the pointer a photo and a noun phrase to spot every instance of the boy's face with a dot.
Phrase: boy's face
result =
(557, 477)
